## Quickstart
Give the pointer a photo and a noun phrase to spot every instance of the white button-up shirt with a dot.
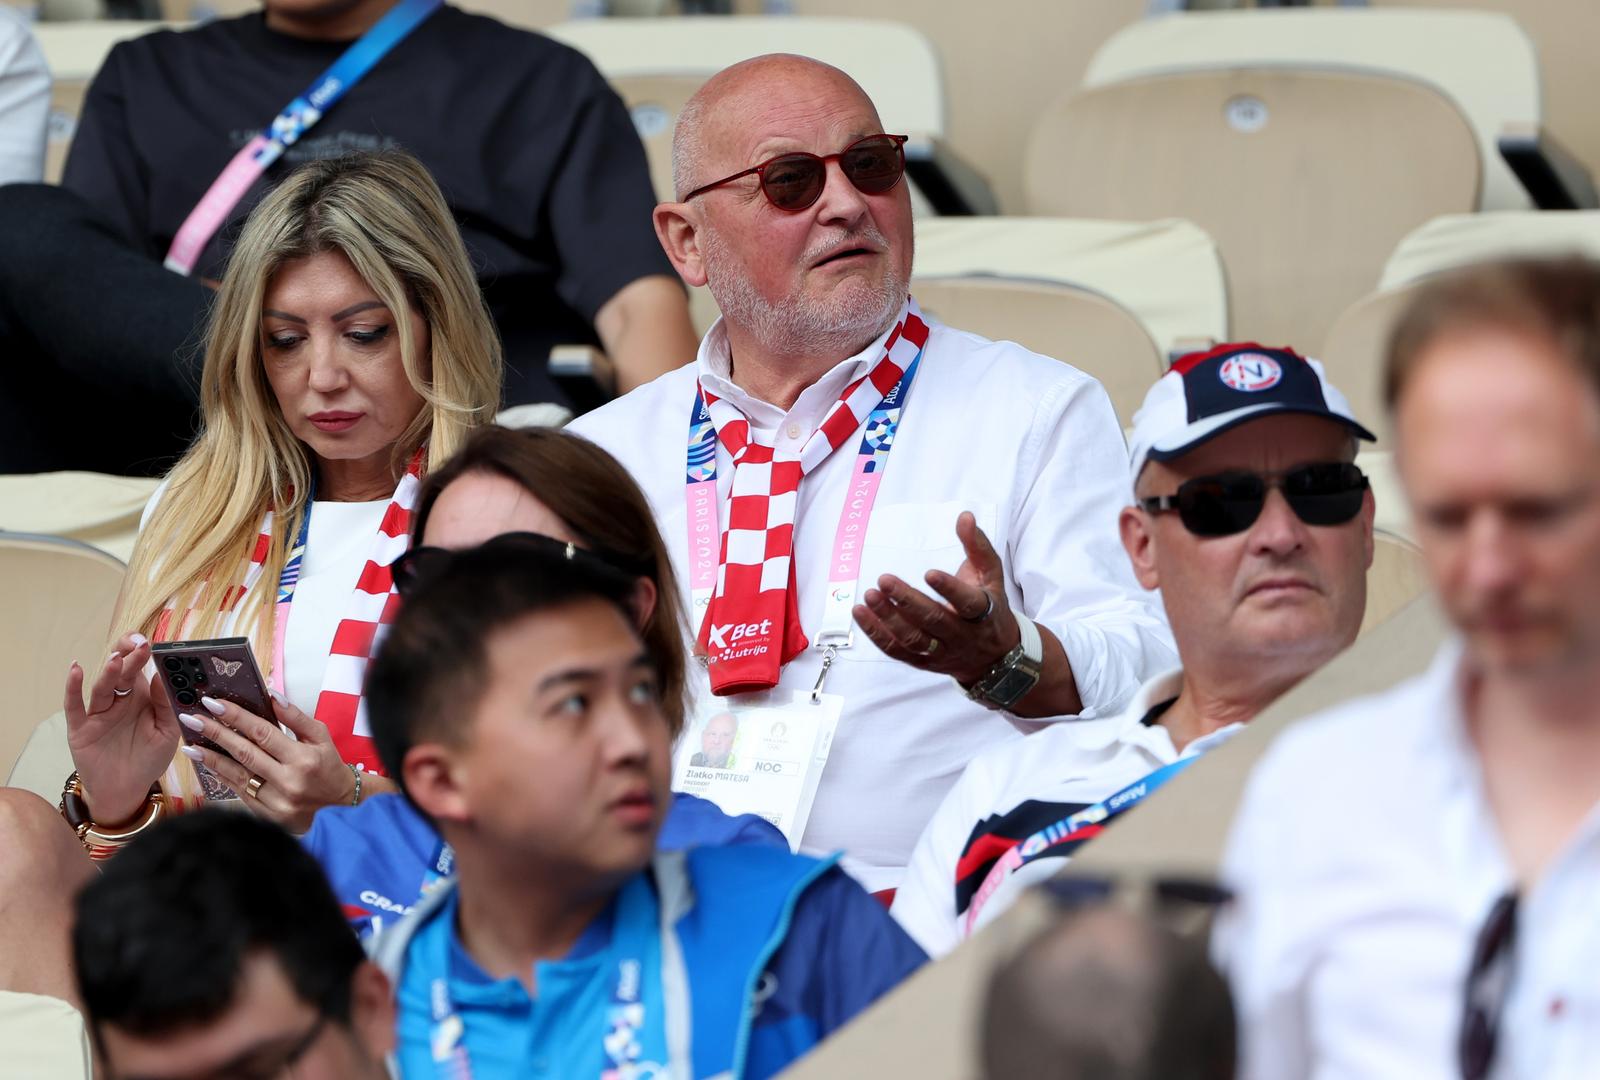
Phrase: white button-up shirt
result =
(1028, 444)
(1366, 860)
(1014, 791)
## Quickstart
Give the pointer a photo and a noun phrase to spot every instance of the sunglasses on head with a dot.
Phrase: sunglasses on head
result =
(417, 565)
(795, 180)
(1324, 493)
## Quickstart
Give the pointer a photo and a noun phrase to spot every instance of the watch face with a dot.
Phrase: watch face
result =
(1012, 687)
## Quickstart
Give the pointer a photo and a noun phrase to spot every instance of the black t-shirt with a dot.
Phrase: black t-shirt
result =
(533, 150)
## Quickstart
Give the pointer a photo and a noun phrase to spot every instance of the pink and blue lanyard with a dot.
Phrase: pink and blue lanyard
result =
(295, 120)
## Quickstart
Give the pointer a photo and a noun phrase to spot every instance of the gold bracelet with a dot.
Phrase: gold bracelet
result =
(99, 844)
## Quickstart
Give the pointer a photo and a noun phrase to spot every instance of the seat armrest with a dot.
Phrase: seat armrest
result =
(951, 185)
(1554, 178)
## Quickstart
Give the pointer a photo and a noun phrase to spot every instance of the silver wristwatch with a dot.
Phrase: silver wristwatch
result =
(1018, 672)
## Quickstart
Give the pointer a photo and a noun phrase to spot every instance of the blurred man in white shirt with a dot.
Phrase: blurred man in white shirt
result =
(1254, 523)
(24, 101)
(1001, 498)
(1417, 872)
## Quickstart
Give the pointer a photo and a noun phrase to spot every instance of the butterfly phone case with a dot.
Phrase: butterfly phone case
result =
(222, 668)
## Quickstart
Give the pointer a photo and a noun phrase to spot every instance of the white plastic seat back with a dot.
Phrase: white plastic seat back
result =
(1354, 348)
(894, 63)
(1483, 61)
(1305, 179)
(1167, 272)
(1455, 240)
(59, 600)
(1564, 33)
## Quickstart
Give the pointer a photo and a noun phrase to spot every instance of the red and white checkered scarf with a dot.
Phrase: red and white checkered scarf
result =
(752, 625)
(370, 610)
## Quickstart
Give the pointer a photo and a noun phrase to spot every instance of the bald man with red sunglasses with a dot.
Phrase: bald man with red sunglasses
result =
(944, 597)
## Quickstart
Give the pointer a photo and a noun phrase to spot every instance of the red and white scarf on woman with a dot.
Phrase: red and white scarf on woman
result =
(369, 611)
(752, 625)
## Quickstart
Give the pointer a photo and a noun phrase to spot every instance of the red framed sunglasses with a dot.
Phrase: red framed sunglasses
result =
(794, 181)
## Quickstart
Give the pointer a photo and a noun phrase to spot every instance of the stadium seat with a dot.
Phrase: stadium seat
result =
(59, 600)
(1000, 69)
(1483, 62)
(1397, 576)
(1168, 273)
(1564, 33)
(1354, 348)
(1088, 330)
(927, 1027)
(1306, 179)
(43, 1038)
(655, 64)
(93, 508)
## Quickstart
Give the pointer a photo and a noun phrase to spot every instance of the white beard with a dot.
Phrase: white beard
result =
(800, 324)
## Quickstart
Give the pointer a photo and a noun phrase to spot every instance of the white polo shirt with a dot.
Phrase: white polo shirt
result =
(1366, 859)
(1028, 444)
(1012, 792)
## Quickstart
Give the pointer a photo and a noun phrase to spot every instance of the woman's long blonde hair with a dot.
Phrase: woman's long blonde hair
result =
(384, 212)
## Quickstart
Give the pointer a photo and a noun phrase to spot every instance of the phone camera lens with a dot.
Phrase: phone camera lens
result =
(185, 697)
(180, 682)
(172, 663)
(199, 678)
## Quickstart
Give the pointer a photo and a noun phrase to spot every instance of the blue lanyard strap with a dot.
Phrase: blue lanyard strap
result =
(352, 65)
(1103, 811)
(297, 554)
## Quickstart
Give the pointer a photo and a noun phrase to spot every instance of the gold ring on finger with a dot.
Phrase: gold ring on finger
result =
(254, 786)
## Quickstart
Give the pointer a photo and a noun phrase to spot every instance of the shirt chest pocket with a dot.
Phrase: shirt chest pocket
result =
(907, 540)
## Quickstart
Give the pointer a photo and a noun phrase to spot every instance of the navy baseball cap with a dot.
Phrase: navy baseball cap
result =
(1207, 393)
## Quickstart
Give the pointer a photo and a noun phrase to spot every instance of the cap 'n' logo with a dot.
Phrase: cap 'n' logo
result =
(1250, 372)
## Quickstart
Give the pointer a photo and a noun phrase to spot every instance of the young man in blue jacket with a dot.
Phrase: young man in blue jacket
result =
(519, 709)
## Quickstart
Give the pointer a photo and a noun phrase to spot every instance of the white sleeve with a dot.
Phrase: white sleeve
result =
(1066, 555)
(1253, 941)
(925, 903)
(150, 505)
(24, 102)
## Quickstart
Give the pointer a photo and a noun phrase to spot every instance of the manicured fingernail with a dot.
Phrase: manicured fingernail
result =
(213, 706)
(279, 698)
(139, 639)
(112, 657)
(192, 722)
(192, 753)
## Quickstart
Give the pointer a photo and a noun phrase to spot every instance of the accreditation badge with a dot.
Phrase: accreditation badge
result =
(760, 754)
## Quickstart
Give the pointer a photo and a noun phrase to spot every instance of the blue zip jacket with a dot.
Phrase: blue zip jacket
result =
(778, 950)
(379, 856)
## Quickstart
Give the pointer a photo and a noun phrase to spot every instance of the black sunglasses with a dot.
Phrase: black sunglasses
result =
(1324, 493)
(794, 181)
(1488, 985)
(418, 565)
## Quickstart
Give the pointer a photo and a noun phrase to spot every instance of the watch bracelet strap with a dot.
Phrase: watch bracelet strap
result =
(1032, 642)
(1030, 646)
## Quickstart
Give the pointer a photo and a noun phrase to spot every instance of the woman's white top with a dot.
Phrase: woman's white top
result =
(337, 546)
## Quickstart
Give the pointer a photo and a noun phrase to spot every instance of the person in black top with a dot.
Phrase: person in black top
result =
(533, 150)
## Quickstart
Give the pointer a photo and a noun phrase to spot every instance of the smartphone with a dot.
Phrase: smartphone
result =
(222, 668)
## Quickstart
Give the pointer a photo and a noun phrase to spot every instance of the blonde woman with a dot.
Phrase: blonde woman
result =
(349, 350)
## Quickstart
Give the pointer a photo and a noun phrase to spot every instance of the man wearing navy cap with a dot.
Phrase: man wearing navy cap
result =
(1251, 518)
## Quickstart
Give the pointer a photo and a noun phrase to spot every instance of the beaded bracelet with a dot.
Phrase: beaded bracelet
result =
(356, 771)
